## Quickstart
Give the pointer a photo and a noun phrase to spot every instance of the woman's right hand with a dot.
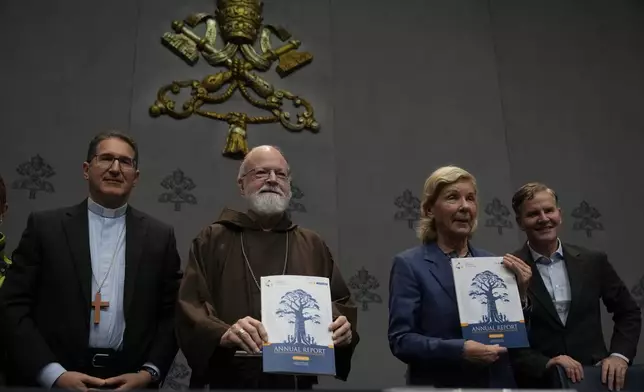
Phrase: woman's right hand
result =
(482, 353)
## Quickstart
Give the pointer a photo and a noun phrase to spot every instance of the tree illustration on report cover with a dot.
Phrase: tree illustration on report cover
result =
(298, 307)
(489, 288)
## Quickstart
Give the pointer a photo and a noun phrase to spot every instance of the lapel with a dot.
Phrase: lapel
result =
(76, 228)
(537, 288)
(440, 267)
(136, 228)
(575, 270)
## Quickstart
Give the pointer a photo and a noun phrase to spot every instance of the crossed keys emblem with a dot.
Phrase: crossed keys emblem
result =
(239, 22)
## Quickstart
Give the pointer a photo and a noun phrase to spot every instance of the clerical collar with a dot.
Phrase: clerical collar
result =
(105, 212)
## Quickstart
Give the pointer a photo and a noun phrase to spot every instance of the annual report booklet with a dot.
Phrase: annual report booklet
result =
(489, 305)
(297, 312)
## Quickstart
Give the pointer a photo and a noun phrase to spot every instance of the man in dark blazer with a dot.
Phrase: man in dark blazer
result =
(89, 302)
(567, 284)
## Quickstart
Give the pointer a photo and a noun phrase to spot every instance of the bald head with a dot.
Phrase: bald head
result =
(264, 180)
(259, 155)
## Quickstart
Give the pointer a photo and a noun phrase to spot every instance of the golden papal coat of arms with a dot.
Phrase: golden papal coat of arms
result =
(240, 24)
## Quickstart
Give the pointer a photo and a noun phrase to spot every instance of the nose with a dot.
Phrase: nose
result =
(272, 177)
(542, 217)
(115, 167)
(465, 205)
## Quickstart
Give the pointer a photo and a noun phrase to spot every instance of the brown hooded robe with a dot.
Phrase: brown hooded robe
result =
(218, 289)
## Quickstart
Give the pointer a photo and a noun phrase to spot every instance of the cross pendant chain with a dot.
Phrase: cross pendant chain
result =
(98, 304)
(248, 263)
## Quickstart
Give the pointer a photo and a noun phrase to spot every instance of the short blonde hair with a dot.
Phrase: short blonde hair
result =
(439, 179)
(527, 193)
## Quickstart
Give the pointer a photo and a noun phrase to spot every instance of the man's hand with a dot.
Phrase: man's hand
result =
(522, 271)
(247, 333)
(614, 372)
(482, 353)
(574, 370)
(78, 381)
(129, 381)
(341, 329)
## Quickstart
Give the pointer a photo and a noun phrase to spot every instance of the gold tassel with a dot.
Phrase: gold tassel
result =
(236, 145)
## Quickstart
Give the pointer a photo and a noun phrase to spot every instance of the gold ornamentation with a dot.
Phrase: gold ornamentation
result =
(240, 24)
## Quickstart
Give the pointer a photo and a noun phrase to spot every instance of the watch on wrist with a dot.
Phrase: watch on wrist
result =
(153, 373)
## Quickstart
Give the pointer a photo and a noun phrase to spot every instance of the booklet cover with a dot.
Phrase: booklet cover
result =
(297, 312)
(489, 304)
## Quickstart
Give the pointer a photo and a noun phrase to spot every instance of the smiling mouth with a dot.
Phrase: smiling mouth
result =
(113, 181)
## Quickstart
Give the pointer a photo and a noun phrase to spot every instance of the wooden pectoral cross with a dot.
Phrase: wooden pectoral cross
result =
(98, 305)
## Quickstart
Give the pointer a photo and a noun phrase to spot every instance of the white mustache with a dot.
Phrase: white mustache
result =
(270, 189)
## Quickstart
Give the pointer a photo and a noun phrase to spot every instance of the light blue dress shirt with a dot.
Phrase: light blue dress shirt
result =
(554, 274)
(107, 234)
(555, 277)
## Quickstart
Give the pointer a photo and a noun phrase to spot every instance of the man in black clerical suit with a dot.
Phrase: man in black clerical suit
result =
(567, 285)
(89, 301)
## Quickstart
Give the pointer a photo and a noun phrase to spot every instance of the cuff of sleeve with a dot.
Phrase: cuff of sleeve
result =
(49, 374)
(454, 348)
(620, 356)
(153, 367)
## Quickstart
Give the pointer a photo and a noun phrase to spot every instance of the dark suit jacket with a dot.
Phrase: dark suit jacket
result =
(591, 278)
(424, 325)
(45, 300)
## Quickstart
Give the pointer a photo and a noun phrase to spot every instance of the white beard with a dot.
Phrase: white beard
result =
(268, 203)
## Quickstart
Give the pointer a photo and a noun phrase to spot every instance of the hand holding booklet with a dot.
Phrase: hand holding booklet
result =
(296, 313)
(489, 305)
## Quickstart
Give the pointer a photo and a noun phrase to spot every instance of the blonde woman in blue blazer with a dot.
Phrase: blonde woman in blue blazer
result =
(424, 326)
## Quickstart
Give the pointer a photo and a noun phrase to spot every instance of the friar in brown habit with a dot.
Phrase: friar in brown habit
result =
(219, 298)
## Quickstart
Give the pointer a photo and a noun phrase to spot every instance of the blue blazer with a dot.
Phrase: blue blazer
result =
(424, 326)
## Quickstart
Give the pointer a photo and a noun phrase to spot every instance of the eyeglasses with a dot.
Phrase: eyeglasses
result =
(105, 161)
(263, 173)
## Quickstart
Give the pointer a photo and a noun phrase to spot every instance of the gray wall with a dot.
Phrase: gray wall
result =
(514, 91)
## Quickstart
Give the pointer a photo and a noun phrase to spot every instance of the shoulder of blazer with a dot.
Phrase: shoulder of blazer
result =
(59, 213)
(151, 221)
(415, 253)
(479, 252)
(581, 252)
(409, 260)
(523, 253)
